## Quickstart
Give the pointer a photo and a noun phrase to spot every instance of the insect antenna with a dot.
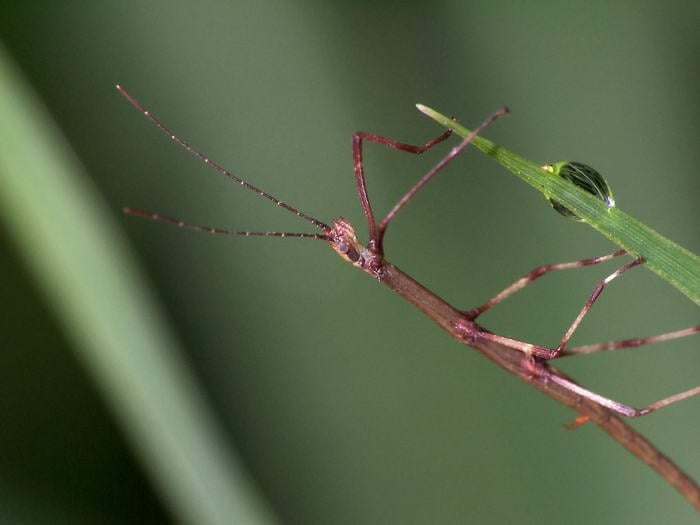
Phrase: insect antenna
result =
(177, 140)
(154, 216)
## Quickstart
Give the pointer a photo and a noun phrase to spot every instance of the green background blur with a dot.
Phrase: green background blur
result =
(345, 403)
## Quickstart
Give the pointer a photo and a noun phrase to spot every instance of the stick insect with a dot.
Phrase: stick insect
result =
(528, 361)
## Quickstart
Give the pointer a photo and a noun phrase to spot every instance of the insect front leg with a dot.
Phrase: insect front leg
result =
(357, 139)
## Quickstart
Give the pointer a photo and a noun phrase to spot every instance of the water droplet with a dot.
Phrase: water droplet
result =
(586, 178)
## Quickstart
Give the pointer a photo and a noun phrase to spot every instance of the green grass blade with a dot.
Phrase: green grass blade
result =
(670, 261)
(82, 264)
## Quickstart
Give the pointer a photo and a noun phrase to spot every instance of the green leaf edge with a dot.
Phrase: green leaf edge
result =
(677, 265)
(84, 267)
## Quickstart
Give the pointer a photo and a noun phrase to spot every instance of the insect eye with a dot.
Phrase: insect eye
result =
(342, 247)
(586, 178)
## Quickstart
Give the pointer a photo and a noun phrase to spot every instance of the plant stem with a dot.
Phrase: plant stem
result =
(539, 374)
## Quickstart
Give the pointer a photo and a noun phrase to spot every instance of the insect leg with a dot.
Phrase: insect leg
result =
(592, 299)
(629, 343)
(536, 274)
(454, 152)
(357, 139)
(620, 408)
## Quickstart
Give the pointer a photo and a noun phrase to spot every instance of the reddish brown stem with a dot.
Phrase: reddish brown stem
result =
(545, 378)
(537, 373)
(524, 360)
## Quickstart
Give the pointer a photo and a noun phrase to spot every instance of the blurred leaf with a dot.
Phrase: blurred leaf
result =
(83, 266)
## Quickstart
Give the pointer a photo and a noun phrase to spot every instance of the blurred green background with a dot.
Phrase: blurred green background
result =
(345, 404)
